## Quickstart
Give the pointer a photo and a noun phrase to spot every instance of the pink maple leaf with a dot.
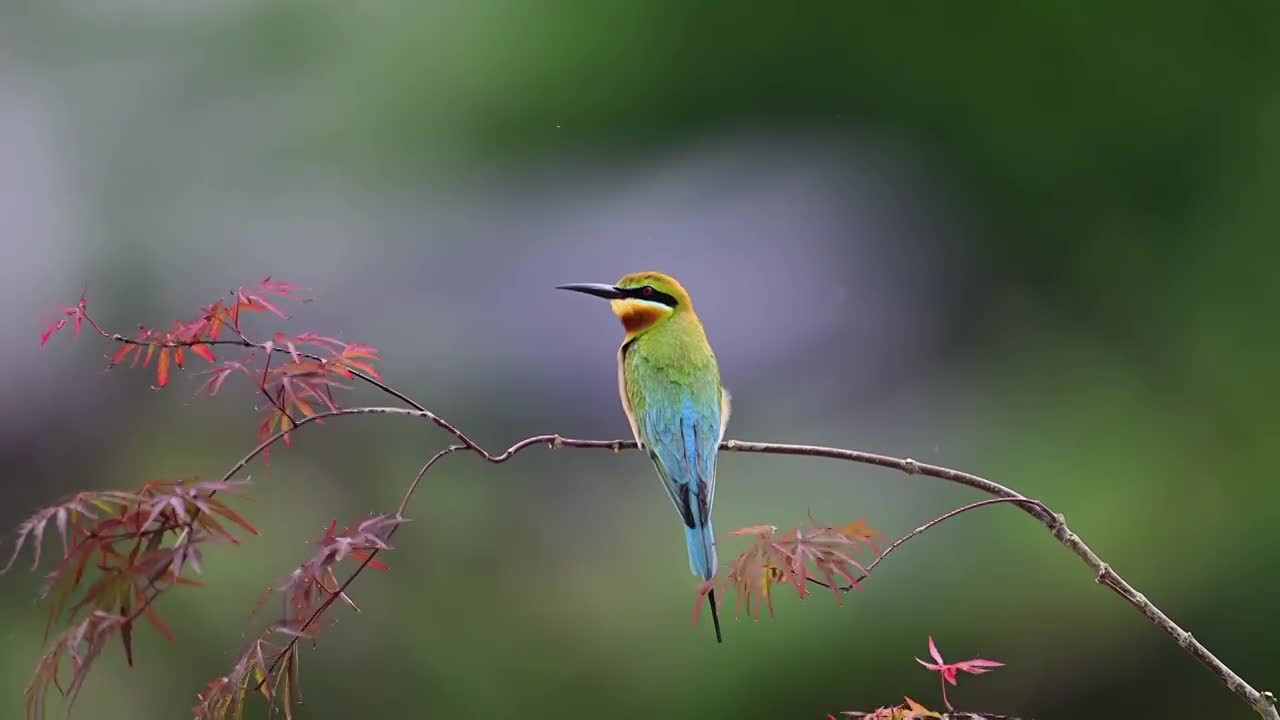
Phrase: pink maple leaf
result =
(947, 671)
(78, 313)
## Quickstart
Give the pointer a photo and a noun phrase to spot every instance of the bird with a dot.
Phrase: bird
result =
(669, 384)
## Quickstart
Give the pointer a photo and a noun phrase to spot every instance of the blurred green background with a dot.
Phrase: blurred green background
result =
(1031, 240)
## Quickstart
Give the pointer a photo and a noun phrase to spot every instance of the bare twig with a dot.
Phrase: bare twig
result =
(262, 387)
(1263, 703)
(866, 573)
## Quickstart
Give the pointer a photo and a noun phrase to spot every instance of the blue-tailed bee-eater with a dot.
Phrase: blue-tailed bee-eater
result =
(670, 388)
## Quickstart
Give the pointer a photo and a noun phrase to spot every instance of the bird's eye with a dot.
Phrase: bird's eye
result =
(646, 291)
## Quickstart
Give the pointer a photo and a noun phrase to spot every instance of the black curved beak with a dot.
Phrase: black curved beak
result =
(599, 290)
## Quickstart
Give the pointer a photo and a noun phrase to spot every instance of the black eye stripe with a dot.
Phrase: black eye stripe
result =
(651, 294)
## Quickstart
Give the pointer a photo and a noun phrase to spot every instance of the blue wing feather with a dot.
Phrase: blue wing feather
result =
(682, 431)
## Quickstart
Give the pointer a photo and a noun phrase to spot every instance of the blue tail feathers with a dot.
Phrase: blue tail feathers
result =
(701, 541)
(702, 550)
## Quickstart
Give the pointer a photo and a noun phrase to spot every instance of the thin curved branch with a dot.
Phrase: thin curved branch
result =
(1262, 703)
(279, 435)
(904, 465)
(417, 480)
(866, 572)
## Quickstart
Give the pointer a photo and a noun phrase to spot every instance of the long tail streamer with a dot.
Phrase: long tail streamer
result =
(715, 615)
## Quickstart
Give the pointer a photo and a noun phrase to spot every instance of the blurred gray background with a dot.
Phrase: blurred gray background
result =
(1035, 242)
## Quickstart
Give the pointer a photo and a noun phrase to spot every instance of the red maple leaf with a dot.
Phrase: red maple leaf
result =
(254, 299)
(219, 375)
(311, 588)
(948, 671)
(76, 313)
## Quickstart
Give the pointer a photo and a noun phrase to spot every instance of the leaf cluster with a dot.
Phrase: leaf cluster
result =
(268, 666)
(818, 554)
(122, 550)
(119, 551)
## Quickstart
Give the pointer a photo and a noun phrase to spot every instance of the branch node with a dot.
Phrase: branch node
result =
(731, 444)
(1268, 697)
(556, 442)
(1062, 532)
(616, 447)
(1103, 572)
(910, 467)
(1186, 640)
